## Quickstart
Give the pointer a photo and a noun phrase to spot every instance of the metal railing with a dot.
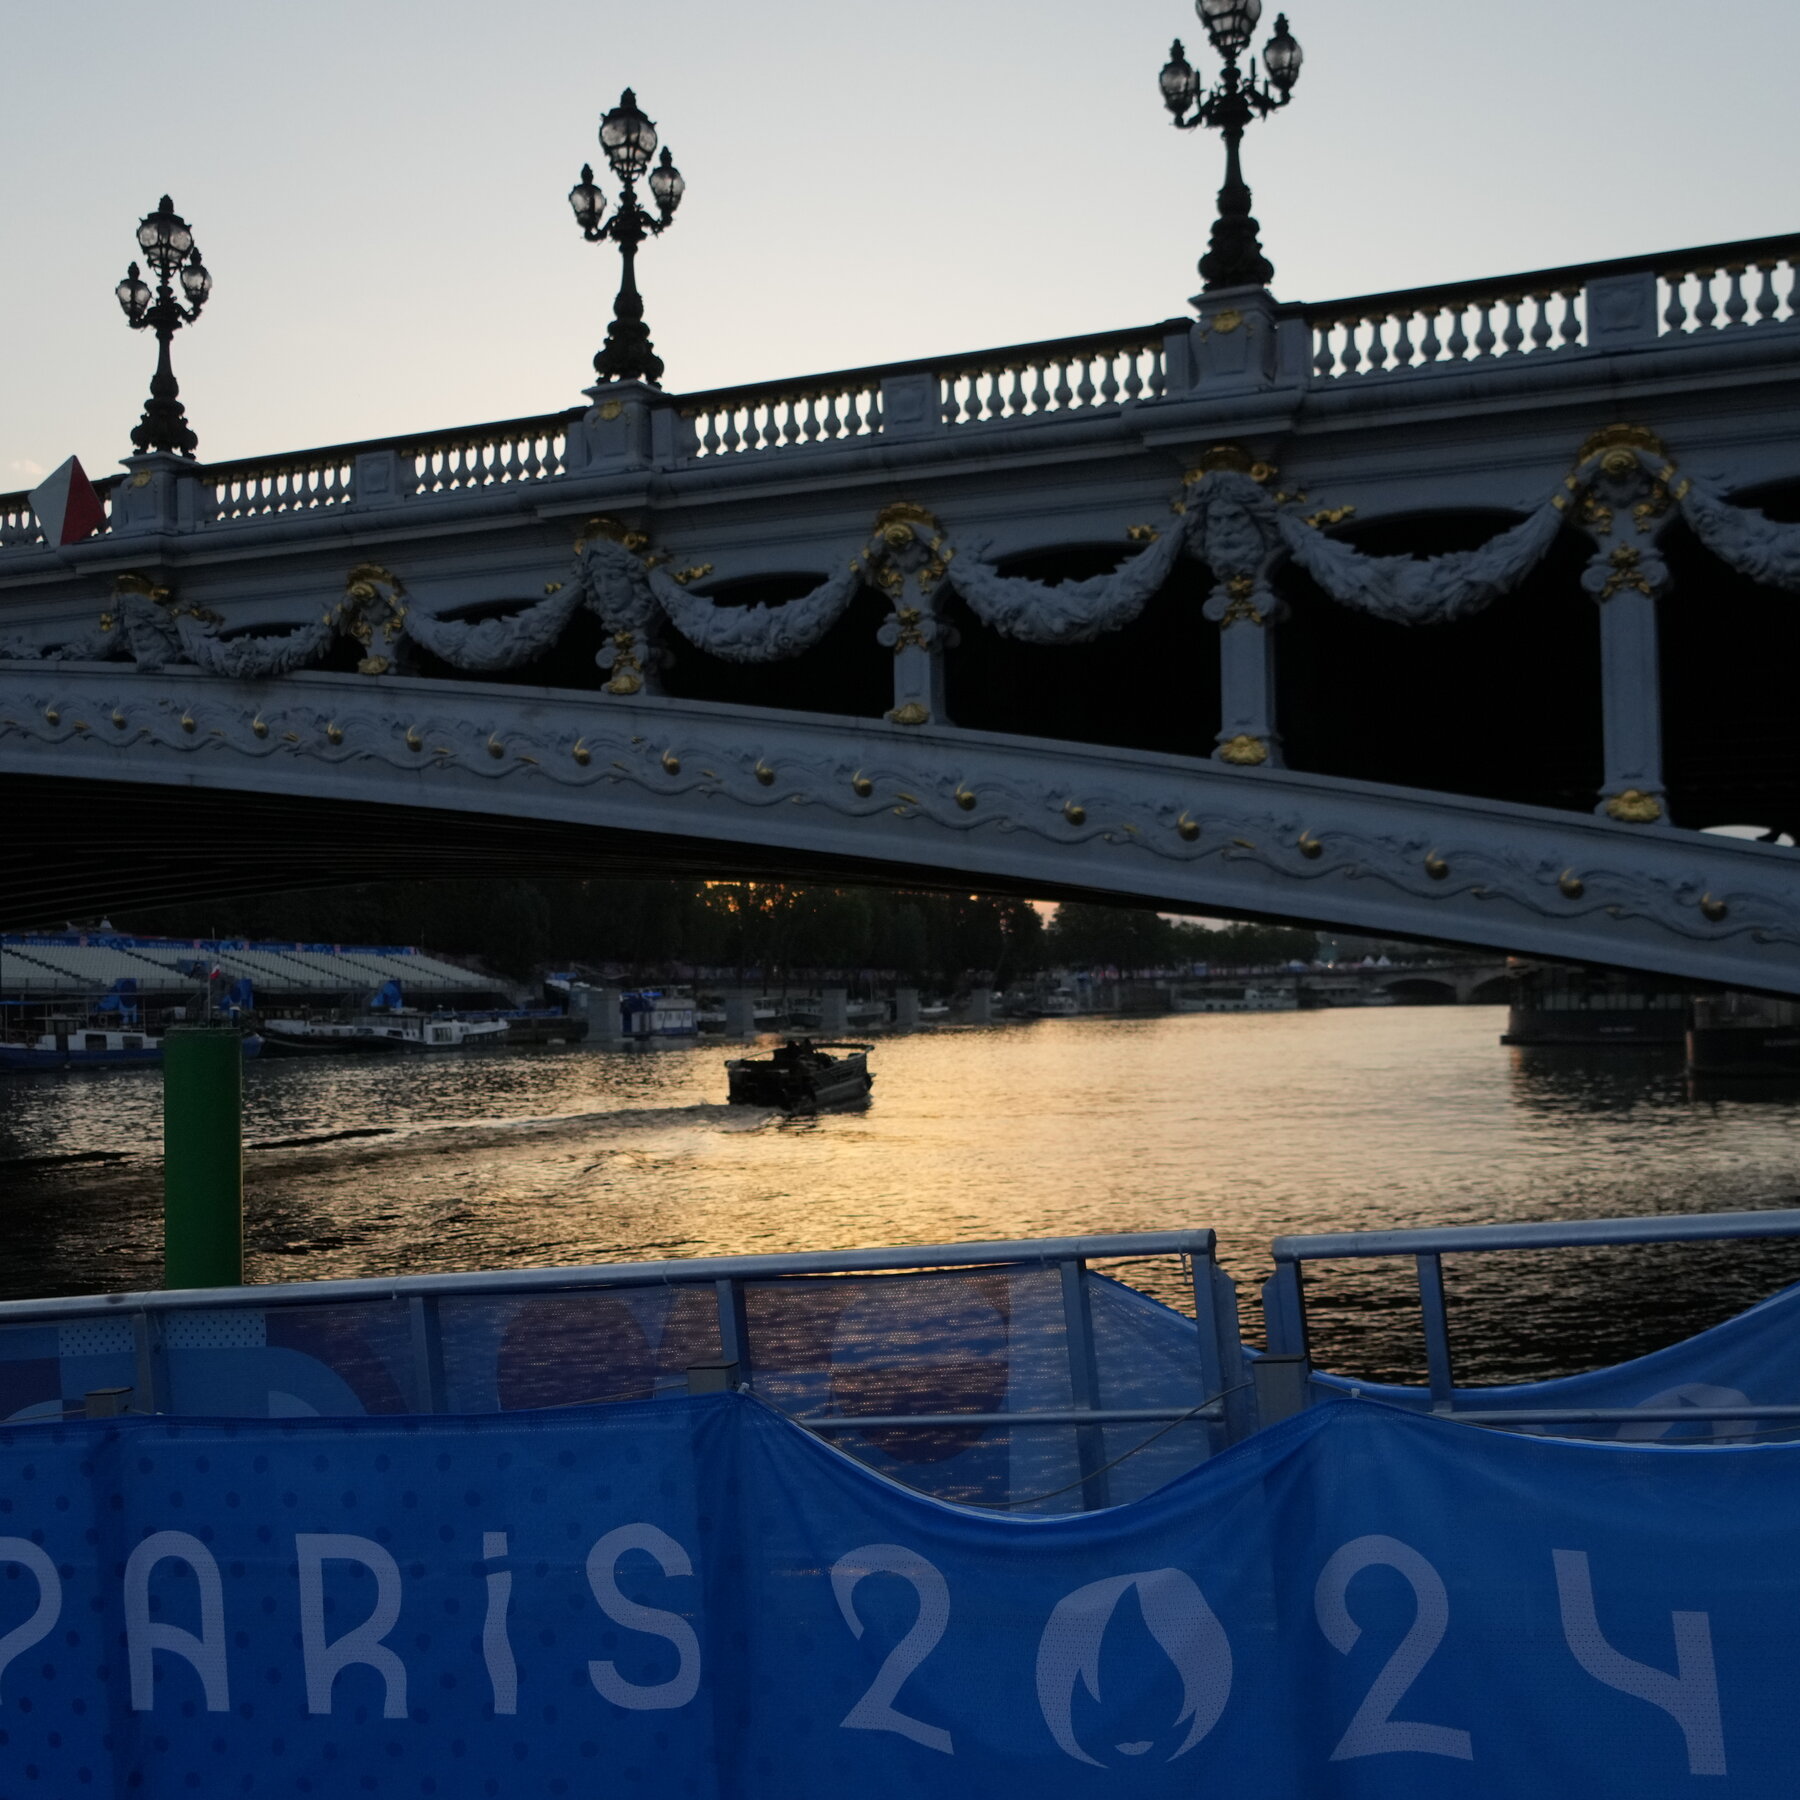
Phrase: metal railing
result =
(1284, 1383)
(1218, 1371)
(1717, 287)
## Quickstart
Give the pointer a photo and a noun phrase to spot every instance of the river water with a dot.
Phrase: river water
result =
(1254, 1124)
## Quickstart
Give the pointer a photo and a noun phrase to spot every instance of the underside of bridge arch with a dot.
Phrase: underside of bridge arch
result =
(1152, 685)
(1495, 991)
(1504, 705)
(1730, 664)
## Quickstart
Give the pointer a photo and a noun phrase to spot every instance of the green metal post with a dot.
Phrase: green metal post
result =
(203, 1157)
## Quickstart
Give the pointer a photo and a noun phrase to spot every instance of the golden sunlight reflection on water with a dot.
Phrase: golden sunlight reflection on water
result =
(1254, 1124)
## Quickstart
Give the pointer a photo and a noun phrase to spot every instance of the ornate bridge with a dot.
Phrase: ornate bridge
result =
(1461, 613)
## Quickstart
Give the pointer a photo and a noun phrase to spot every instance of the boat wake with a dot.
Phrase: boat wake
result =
(450, 1136)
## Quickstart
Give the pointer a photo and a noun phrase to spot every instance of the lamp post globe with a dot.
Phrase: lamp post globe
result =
(1178, 80)
(164, 237)
(1229, 23)
(667, 185)
(134, 295)
(1282, 56)
(196, 281)
(588, 203)
(628, 138)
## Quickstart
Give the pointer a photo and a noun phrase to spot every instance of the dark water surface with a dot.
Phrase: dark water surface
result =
(1255, 1125)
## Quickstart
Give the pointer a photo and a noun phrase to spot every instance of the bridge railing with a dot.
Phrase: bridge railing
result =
(1056, 375)
(1718, 287)
(1683, 295)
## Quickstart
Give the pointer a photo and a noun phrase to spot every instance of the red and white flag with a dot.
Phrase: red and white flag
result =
(68, 505)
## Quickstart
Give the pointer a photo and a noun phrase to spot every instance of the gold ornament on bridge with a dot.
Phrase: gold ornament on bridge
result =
(604, 525)
(912, 713)
(1309, 846)
(1244, 750)
(1713, 909)
(1634, 807)
(964, 798)
(374, 605)
(861, 785)
(1570, 885)
(764, 773)
(671, 763)
(1187, 829)
(1620, 440)
(1436, 867)
(1074, 812)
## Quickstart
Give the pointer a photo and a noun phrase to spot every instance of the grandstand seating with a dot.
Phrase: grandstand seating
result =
(65, 965)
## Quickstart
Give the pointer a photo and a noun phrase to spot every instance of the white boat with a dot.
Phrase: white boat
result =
(649, 1013)
(1061, 1004)
(1233, 999)
(390, 1032)
(75, 1046)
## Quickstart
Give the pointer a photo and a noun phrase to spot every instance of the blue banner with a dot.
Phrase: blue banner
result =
(694, 1598)
(1752, 1359)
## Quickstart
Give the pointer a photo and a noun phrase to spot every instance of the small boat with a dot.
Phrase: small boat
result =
(1060, 1004)
(98, 1049)
(801, 1076)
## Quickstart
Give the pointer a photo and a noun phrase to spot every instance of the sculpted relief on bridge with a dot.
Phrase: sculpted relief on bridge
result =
(1622, 491)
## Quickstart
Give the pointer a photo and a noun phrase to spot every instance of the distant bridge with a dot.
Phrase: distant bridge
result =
(1456, 981)
(1134, 615)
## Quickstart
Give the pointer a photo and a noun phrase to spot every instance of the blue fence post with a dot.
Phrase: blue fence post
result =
(1437, 1329)
(1084, 1382)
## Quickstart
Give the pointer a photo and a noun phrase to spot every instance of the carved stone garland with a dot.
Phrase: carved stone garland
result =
(1622, 491)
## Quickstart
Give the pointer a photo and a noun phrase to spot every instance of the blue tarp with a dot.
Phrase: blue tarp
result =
(1752, 1359)
(693, 1598)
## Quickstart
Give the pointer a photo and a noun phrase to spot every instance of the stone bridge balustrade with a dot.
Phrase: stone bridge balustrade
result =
(1194, 540)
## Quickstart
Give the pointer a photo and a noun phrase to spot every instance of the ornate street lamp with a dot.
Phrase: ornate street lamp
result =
(629, 140)
(169, 248)
(1235, 258)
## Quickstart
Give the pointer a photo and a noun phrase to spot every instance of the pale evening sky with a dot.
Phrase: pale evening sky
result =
(378, 185)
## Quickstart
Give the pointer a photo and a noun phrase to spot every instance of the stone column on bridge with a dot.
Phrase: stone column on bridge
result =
(910, 562)
(1624, 513)
(906, 1008)
(740, 1012)
(1247, 732)
(834, 1012)
(1631, 706)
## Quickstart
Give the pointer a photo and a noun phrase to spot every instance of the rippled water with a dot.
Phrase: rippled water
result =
(1255, 1125)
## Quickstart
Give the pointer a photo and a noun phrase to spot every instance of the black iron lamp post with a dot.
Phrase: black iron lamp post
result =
(629, 140)
(169, 248)
(1235, 258)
